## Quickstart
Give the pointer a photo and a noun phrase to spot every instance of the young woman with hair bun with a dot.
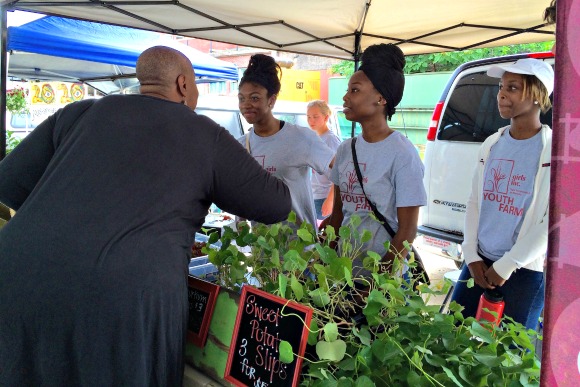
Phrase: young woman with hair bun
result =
(286, 150)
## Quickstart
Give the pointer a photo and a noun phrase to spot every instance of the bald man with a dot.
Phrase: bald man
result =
(109, 194)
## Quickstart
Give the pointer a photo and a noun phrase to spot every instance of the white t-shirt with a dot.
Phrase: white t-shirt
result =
(392, 174)
(289, 154)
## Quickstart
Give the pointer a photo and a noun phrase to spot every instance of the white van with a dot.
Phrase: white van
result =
(464, 117)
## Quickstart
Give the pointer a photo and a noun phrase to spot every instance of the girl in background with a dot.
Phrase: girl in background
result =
(317, 114)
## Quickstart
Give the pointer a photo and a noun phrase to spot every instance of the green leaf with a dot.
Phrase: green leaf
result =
(330, 332)
(282, 284)
(323, 282)
(321, 251)
(348, 276)
(452, 376)
(366, 236)
(292, 217)
(330, 233)
(286, 353)
(435, 360)
(337, 267)
(305, 235)
(364, 381)
(385, 350)
(293, 261)
(319, 297)
(413, 378)
(297, 288)
(275, 258)
(274, 229)
(344, 232)
(363, 335)
(348, 364)
(333, 351)
(470, 283)
(480, 332)
(313, 333)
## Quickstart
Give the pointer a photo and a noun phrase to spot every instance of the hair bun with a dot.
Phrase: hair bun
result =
(384, 55)
(264, 71)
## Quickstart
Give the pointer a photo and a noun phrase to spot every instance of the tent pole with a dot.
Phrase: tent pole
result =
(357, 54)
(3, 72)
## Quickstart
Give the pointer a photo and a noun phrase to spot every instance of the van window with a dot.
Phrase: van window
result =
(226, 118)
(471, 115)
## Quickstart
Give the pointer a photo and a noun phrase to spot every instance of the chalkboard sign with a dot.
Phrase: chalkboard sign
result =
(202, 296)
(264, 320)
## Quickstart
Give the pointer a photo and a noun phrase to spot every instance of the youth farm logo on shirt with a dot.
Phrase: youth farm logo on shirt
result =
(351, 193)
(503, 187)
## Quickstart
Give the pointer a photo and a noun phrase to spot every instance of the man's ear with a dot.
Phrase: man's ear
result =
(182, 85)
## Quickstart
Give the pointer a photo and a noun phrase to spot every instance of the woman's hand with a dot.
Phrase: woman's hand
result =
(478, 271)
(493, 278)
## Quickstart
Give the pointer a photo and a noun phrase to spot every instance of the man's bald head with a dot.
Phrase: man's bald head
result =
(159, 70)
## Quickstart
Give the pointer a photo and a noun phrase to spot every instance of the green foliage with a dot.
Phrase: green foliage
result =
(449, 61)
(16, 101)
(383, 335)
(11, 141)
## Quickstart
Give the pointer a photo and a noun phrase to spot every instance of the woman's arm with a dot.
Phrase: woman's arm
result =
(336, 217)
(408, 218)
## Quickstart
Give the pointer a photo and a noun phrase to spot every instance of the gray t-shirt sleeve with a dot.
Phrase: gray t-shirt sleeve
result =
(408, 179)
(320, 155)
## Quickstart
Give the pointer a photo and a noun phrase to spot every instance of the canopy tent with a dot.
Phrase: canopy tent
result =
(342, 29)
(333, 28)
(54, 48)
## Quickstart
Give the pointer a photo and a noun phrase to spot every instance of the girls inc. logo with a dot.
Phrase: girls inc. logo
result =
(496, 186)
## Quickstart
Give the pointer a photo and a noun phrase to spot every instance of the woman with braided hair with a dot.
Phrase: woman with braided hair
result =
(391, 171)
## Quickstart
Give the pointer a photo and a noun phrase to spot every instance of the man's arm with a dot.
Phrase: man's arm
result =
(242, 187)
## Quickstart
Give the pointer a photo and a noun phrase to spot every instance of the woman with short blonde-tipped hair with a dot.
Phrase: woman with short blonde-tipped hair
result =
(506, 220)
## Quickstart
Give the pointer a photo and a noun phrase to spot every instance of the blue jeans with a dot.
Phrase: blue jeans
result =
(318, 206)
(523, 294)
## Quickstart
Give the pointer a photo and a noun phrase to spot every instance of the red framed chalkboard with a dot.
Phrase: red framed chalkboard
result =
(202, 297)
(263, 320)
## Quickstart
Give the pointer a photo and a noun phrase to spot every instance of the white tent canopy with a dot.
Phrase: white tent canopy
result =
(322, 27)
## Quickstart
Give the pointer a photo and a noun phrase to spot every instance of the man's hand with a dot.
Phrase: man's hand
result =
(478, 270)
(493, 278)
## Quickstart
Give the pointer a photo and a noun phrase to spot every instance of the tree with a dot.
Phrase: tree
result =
(449, 61)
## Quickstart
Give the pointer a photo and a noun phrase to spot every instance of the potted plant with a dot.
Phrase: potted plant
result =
(16, 101)
(383, 335)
